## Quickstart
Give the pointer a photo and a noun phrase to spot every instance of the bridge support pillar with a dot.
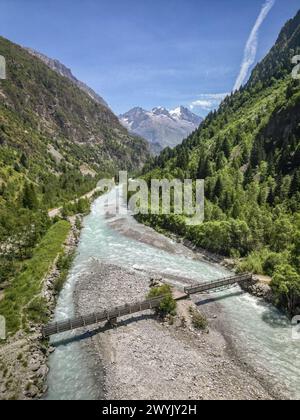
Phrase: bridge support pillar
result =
(113, 322)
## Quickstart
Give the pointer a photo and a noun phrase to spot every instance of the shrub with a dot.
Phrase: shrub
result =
(63, 264)
(222, 236)
(272, 261)
(286, 288)
(263, 261)
(81, 206)
(8, 270)
(253, 263)
(168, 304)
(37, 310)
(199, 321)
(78, 223)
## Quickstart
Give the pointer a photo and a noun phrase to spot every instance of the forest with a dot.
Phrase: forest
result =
(56, 143)
(248, 153)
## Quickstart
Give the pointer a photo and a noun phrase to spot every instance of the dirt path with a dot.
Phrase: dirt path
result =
(57, 212)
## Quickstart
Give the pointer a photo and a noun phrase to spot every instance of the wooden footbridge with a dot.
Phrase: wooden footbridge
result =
(217, 284)
(105, 316)
(113, 314)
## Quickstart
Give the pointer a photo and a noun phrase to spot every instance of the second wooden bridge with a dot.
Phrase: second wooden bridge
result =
(120, 311)
(217, 284)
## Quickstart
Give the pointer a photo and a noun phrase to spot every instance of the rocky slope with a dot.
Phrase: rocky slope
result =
(162, 128)
(40, 109)
(64, 71)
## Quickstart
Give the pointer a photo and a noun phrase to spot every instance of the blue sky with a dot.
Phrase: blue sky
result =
(148, 53)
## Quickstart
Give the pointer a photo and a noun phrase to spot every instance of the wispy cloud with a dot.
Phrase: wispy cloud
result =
(201, 104)
(208, 101)
(252, 43)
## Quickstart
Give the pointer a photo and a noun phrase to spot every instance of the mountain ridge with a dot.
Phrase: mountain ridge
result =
(64, 71)
(160, 126)
(56, 109)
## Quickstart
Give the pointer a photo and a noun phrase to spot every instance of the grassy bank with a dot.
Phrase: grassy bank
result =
(22, 301)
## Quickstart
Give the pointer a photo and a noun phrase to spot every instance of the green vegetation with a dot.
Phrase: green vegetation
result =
(64, 264)
(36, 311)
(168, 304)
(263, 261)
(46, 121)
(22, 301)
(248, 152)
(199, 321)
(286, 286)
(56, 143)
(81, 206)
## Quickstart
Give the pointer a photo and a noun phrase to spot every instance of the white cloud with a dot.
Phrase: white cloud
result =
(214, 95)
(201, 104)
(208, 101)
(252, 43)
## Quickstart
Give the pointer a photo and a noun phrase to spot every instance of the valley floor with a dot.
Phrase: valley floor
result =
(145, 359)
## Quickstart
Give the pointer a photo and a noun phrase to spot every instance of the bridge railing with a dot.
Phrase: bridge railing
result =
(118, 312)
(96, 318)
(215, 284)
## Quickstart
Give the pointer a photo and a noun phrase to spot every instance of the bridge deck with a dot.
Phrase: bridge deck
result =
(216, 284)
(95, 318)
(118, 312)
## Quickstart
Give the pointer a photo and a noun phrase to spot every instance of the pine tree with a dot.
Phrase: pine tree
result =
(258, 153)
(221, 160)
(218, 188)
(208, 169)
(29, 199)
(248, 175)
(226, 148)
(182, 159)
(271, 197)
(295, 184)
(236, 210)
(227, 201)
(205, 168)
(24, 161)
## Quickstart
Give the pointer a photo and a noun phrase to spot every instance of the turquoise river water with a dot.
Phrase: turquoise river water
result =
(261, 334)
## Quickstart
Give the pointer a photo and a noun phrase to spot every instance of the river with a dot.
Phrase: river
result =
(261, 334)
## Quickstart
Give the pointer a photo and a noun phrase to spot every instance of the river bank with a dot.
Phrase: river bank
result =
(167, 241)
(24, 357)
(146, 359)
(249, 341)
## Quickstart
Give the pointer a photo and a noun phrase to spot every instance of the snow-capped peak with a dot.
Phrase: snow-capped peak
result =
(160, 110)
(184, 114)
(160, 126)
(177, 112)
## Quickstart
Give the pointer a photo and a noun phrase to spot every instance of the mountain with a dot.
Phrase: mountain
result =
(64, 71)
(43, 113)
(56, 142)
(248, 152)
(162, 128)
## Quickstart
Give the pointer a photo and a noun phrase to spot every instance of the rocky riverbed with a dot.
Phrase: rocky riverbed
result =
(143, 358)
(259, 286)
